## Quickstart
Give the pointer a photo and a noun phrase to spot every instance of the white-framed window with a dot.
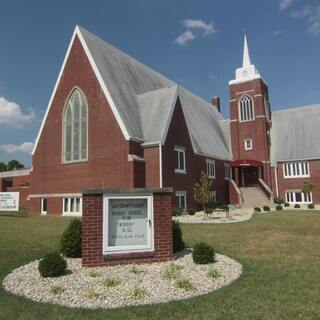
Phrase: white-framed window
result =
(296, 169)
(211, 168)
(44, 205)
(127, 224)
(181, 200)
(246, 111)
(227, 171)
(75, 128)
(72, 206)
(248, 144)
(180, 159)
(293, 196)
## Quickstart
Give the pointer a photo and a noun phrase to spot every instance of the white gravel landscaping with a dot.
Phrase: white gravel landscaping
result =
(119, 286)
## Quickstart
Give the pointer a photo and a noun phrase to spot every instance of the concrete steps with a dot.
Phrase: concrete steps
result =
(255, 197)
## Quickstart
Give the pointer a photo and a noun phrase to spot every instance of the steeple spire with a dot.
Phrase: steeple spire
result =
(246, 62)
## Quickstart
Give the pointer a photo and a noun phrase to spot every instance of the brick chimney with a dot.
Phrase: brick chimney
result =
(215, 101)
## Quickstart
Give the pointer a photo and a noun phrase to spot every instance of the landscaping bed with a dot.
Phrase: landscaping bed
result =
(119, 286)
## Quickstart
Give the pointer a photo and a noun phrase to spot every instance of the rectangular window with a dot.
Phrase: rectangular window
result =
(44, 205)
(181, 200)
(180, 159)
(211, 168)
(298, 197)
(227, 171)
(296, 169)
(248, 144)
(72, 206)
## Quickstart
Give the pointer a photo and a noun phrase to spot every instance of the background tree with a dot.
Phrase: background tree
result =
(3, 167)
(202, 191)
(14, 164)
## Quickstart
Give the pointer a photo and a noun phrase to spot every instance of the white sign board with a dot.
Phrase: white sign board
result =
(9, 201)
(128, 224)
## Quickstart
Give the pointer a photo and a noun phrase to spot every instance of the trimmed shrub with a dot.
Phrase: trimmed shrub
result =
(191, 212)
(278, 200)
(279, 207)
(203, 253)
(287, 204)
(311, 206)
(71, 241)
(178, 243)
(297, 206)
(209, 210)
(52, 265)
(266, 208)
(257, 209)
(176, 212)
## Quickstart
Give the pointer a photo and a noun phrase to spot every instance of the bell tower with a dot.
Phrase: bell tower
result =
(250, 115)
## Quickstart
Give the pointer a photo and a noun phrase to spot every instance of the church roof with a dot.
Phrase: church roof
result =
(295, 134)
(143, 100)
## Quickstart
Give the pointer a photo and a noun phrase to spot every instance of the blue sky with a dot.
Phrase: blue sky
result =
(196, 43)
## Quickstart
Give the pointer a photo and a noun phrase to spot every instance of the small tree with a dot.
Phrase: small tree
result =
(307, 187)
(201, 191)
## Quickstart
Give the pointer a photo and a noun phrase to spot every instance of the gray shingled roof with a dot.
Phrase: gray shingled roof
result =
(144, 100)
(295, 134)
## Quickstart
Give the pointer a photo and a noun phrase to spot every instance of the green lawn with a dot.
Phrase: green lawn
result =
(280, 253)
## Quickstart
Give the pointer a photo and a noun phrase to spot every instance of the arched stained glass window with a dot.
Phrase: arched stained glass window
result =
(75, 128)
(246, 108)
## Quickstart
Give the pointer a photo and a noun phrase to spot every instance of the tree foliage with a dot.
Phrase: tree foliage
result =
(307, 187)
(3, 167)
(14, 165)
(202, 191)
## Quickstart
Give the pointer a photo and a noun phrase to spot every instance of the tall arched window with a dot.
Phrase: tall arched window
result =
(75, 128)
(246, 108)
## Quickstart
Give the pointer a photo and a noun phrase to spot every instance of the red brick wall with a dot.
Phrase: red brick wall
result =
(151, 155)
(296, 183)
(107, 165)
(23, 194)
(92, 234)
(178, 136)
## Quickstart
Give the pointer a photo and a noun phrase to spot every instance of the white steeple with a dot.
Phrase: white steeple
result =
(248, 71)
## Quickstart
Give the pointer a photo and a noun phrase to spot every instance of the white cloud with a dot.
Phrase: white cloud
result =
(312, 17)
(195, 28)
(11, 113)
(185, 37)
(277, 33)
(284, 4)
(206, 28)
(25, 147)
(304, 12)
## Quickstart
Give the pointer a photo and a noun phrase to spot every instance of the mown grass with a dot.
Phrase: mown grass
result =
(280, 253)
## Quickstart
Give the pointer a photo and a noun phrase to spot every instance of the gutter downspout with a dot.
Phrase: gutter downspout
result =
(276, 178)
(160, 165)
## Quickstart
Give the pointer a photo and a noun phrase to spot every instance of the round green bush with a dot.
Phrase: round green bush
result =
(287, 204)
(203, 253)
(297, 206)
(278, 200)
(178, 243)
(278, 207)
(257, 209)
(208, 210)
(266, 208)
(191, 212)
(311, 206)
(71, 241)
(176, 212)
(52, 265)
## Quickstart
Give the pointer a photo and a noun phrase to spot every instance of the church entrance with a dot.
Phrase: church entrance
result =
(250, 176)
(247, 172)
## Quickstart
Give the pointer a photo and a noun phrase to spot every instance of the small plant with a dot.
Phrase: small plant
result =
(136, 292)
(297, 206)
(191, 212)
(56, 290)
(171, 271)
(202, 193)
(311, 206)
(266, 208)
(203, 253)
(176, 212)
(213, 273)
(278, 200)
(287, 204)
(111, 282)
(52, 265)
(136, 270)
(184, 284)
(70, 243)
(93, 273)
(279, 207)
(178, 243)
(91, 293)
(208, 210)
(257, 209)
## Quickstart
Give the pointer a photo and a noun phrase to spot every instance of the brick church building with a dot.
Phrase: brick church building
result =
(113, 122)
